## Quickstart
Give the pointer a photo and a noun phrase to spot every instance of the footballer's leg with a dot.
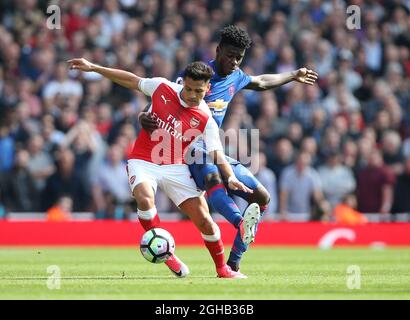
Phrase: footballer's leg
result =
(207, 177)
(148, 217)
(258, 200)
(144, 194)
(147, 212)
(197, 210)
(143, 184)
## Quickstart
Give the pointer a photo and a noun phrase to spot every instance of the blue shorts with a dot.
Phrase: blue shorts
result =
(200, 169)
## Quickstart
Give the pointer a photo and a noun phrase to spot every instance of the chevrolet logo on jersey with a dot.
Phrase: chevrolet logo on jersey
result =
(218, 105)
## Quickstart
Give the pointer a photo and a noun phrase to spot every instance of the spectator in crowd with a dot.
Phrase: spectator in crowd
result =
(401, 203)
(337, 179)
(110, 188)
(350, 154)
(20, 123)
(324, 57)
(66, 181)
(7, 146)
(167, 44)
(20, 193)
(52, 137)
(40, 164)
(303, 112)
(345, 212)
(355, 125)
(26, 95)
(406, 148)
(267, 177)
(86, 144)
(2, 200)
(351, 79)
(268, 122)
(282, 157)
(318, 126)
(299, 185)
(331, 143)
(373, 48)
(380, 90)
(375, 184)
(295, 134)
(392, 153)
(112, 22)
(340, 100)
(61, 211)
(62, 88)
(310, 146)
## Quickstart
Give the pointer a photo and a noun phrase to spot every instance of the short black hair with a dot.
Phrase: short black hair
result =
(235, 36)
(198, 70)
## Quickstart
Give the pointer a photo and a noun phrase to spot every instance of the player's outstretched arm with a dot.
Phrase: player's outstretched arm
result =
(123, 78)
(269, 81)
(227, 173)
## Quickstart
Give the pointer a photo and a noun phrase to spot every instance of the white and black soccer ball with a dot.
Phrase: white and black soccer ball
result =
(157, 245)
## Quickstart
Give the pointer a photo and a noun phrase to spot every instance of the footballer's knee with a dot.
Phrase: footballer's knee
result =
(260, 195)
(145, 203)
(144, 196)
(212, 180)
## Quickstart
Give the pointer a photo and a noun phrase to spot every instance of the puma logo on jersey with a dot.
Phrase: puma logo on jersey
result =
(165, 100)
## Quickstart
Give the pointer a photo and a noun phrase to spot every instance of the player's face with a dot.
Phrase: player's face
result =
(228, 59)
(194, 91)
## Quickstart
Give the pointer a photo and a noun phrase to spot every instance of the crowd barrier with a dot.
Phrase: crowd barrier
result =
(127, 233)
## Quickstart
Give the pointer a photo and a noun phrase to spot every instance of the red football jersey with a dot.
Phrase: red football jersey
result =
(179, 125)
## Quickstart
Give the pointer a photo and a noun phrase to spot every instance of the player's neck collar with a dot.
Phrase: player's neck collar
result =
(181, 100)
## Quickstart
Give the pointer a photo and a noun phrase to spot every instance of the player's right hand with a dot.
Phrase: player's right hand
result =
(235, 184)
(147, 121)
(80, 64)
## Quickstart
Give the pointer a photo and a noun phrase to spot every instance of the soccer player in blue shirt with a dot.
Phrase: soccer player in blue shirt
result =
(226, 82)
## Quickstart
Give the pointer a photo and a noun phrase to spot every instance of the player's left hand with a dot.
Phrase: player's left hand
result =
(80, 64)
(235, 184)
(147, 121)
(306, 76)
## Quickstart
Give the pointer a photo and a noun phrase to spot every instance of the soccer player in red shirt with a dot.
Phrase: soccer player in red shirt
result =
(158, 159)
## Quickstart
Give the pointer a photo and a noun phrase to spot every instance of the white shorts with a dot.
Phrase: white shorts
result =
(173, 179)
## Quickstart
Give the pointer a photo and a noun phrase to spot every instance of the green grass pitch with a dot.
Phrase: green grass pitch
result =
(274, 273)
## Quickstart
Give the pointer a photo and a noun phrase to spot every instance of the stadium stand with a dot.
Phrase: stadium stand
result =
(58, 127)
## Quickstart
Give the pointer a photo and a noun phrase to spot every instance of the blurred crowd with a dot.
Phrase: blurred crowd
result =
(64, 135)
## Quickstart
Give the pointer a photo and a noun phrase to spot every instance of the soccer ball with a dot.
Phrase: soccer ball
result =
(157, 245)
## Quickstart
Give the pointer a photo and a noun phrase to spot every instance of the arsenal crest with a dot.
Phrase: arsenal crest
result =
(194, 122)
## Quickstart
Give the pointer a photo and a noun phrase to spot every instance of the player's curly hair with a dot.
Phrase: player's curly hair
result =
(235, 36)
